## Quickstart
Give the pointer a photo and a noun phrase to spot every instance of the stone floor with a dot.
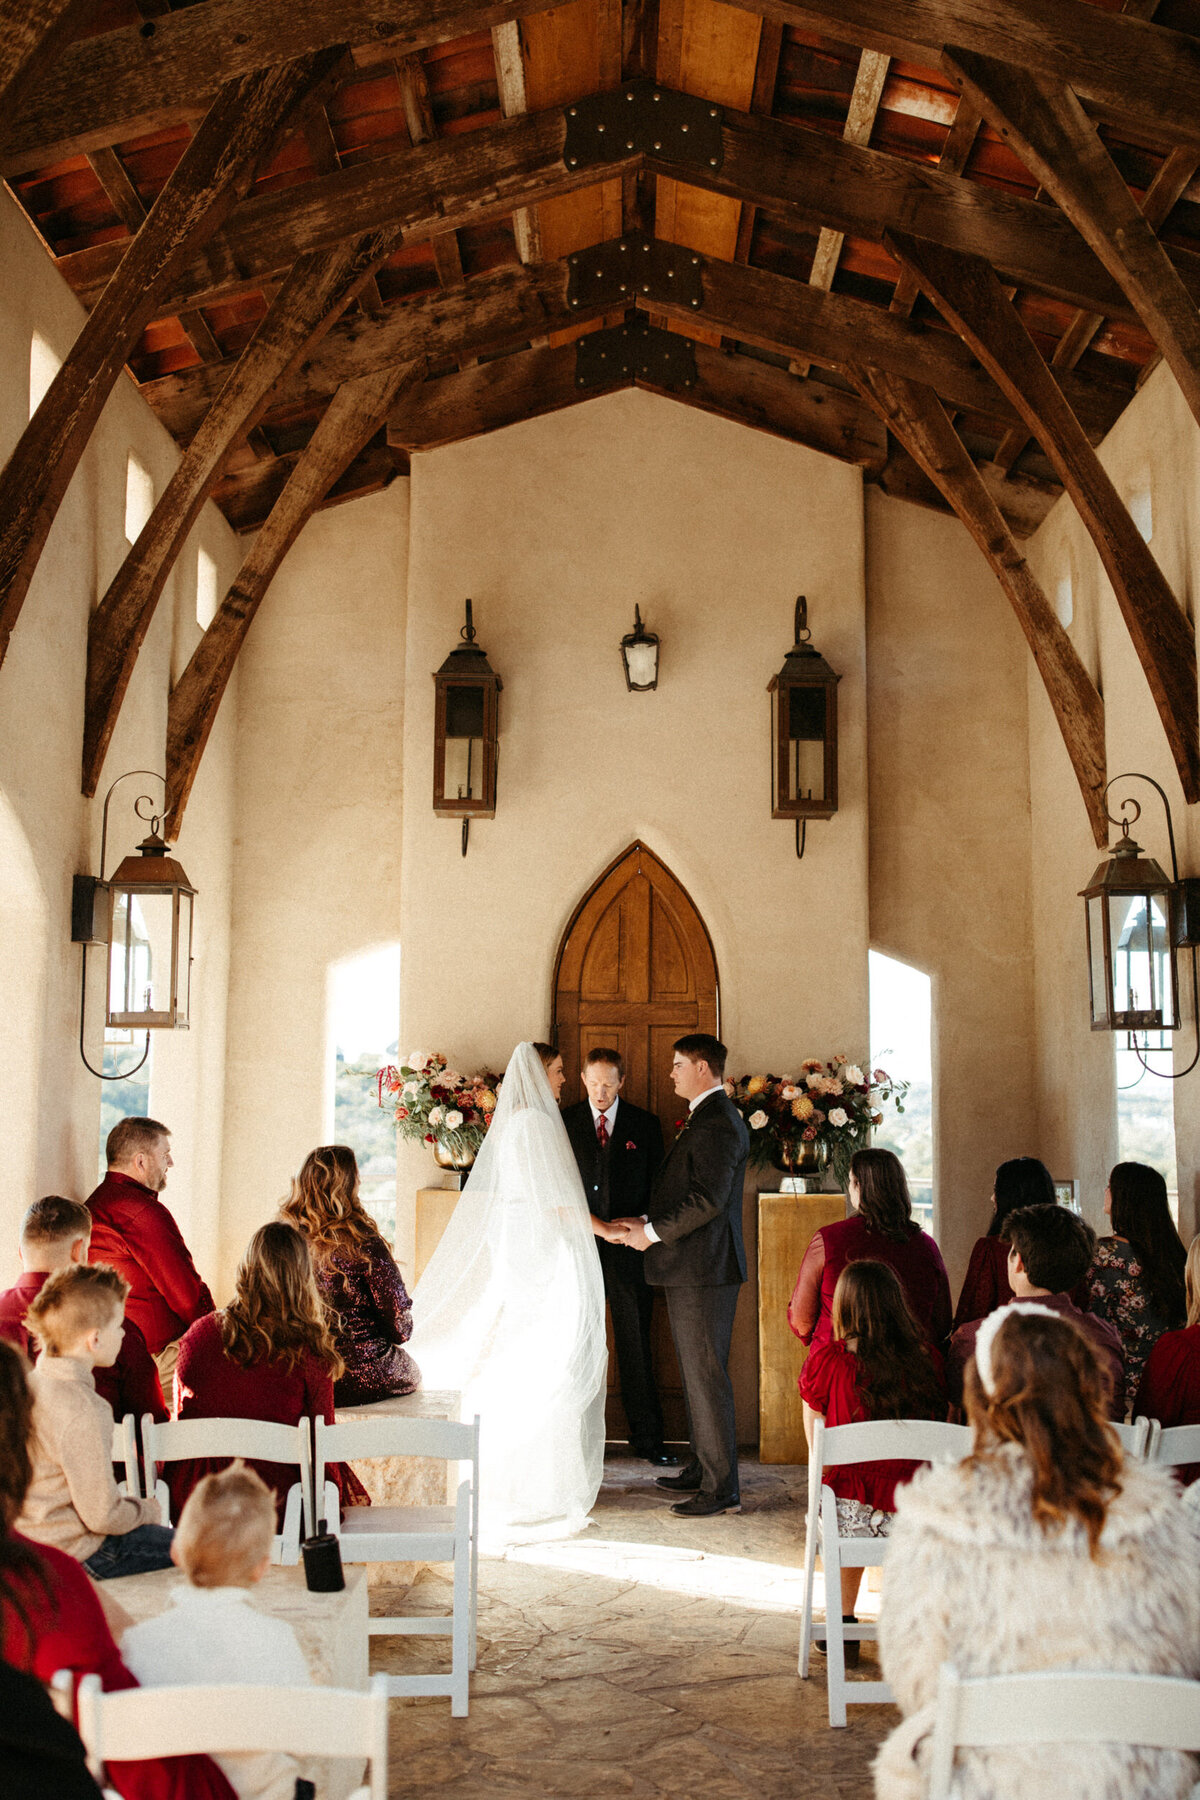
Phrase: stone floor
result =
(651, 1656)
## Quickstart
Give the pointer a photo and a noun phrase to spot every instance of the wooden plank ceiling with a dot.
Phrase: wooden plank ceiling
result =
(415, 213)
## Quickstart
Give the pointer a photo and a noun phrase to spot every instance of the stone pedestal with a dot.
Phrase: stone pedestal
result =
(786, 1223)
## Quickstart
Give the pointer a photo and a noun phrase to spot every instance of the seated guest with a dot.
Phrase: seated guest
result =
(1136, 1277)
(1045, 1549)
(878, 1364)
(881, 1230)
(366, 1303)
(51, 1617)
(211, 1633)
(1049, 1250)
(133, 1233)
(73, 1503)
(1022, 1181)
(54, 1236)
(268, 1355)
(1170, 1386)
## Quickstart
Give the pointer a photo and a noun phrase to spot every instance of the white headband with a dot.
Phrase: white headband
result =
(986, 1336)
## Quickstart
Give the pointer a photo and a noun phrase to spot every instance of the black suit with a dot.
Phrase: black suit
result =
(696, 1211)
(617, 1183)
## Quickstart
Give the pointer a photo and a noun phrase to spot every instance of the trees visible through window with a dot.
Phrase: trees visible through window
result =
(364, 1017)
(1146, 1115)
(902, 1043)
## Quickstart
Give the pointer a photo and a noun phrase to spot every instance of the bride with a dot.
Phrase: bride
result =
(510, 1310)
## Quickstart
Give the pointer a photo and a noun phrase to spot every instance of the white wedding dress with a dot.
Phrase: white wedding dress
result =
(510, 1311)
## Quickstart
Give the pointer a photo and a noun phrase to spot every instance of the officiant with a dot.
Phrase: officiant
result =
(618, 1148)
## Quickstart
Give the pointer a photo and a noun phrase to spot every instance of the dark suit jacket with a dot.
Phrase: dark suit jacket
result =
(696, 1203)
(618, 1183)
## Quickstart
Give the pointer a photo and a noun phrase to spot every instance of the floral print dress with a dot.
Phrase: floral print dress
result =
(1117, 1291)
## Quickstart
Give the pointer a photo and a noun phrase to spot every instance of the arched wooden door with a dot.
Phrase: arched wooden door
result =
(635, 971)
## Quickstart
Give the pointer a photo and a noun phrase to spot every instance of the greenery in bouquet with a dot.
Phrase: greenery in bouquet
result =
(831, 1104)
(435, 1105)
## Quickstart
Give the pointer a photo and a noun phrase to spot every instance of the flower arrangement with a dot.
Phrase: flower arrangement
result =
(825, 1112)
(437, 1106)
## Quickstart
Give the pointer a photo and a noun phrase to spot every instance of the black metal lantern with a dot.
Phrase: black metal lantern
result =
(143, 916)
(1131, 962)
(466, 733)
(639, 657)
(804, 782)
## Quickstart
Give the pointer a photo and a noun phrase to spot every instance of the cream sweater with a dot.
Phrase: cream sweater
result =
(73, 1501)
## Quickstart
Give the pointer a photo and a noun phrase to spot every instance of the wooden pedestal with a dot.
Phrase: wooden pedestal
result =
(434, 1207)
(786, 1224)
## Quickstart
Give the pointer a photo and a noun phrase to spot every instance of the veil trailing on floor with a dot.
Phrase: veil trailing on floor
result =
(510, 1310)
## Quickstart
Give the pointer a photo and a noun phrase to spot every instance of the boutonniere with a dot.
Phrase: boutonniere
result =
(681, 1125)
(629, 1144)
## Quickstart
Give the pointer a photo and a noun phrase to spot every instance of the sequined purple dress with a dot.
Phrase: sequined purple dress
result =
(374, 1320)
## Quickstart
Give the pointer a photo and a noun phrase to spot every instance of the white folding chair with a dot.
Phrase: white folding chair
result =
(125, 1450)
(135, 1723)
(1173, 1444)
(876, 1440)
(255, 1439)
(414, 1534)
(1058, 1706)
(1135, 1438)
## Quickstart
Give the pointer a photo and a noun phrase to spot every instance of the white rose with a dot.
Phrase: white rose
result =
(757, 1121)
(814, 1080)
(418, 1058)
(839, 1116)
(853, 1074)
(411, 1089)
(789, 1091)
(436, 1114)
(453, 1120)
(449, 1078)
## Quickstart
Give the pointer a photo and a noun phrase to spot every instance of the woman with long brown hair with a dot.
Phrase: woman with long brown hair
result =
(877, 1364)
(1136, 1280)
(1044, 1549)
(366, 1302)
(881, 1228)
(268, 1355)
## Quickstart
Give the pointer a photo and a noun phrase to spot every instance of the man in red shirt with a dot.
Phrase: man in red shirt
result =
(54, 1234)
(133, 1232)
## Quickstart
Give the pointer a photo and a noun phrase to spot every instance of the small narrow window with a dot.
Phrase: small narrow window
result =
(1064, 600)
(206, 589)
(43, 367)
(1141, 510)
(139, 498)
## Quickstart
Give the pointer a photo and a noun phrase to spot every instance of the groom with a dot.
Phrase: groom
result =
(692, 1237)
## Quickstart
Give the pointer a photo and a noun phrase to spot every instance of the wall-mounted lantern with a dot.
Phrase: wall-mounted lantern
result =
(143, 916)
(804, 771)
(639, 657)
(466, 733)
(1136, 918)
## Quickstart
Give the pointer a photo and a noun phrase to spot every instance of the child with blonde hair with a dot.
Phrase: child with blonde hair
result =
(213, 1633)
(73, 1502)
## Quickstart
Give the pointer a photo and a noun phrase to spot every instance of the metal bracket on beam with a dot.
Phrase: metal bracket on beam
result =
(640, 115)
(631, 266)
(635, 353)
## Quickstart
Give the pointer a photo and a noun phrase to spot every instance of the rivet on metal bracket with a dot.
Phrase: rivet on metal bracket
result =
(678, 127)
(664, 272)
(663, 358)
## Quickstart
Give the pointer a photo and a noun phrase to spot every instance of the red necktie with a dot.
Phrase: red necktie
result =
(602, 1131)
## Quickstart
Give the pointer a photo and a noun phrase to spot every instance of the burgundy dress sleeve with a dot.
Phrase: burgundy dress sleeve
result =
(804, 1307)
(978, 1297)
(940, 1318)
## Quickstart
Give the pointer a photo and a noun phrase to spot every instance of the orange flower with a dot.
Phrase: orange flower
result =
(802, 1108)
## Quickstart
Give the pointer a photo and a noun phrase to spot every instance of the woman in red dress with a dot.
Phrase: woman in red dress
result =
(268, 1355)
(877, 1364)
(882, 1229)
(1170, 1386)
(50, 1613)
(1022, 1181)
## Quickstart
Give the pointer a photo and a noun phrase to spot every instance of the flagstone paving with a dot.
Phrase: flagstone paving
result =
(651, 1656)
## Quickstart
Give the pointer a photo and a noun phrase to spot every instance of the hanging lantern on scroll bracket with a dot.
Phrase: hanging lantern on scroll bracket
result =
(804, 737)
(466, 733)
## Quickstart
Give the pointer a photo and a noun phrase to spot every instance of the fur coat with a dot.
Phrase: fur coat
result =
(971, 1578)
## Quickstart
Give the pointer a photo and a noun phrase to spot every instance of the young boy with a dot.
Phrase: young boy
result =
(213, 1634)
(73, 1502)
(55, 1234)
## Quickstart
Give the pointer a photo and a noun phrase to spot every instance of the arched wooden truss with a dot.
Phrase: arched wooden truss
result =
(942, 242)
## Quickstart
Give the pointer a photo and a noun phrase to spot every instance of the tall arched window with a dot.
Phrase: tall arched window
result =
(902, 1043)
(363, 1015)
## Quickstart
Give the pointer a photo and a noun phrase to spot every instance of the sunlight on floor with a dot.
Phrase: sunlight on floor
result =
(768, 1587)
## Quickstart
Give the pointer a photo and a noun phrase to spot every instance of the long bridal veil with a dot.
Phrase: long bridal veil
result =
(510, 1311)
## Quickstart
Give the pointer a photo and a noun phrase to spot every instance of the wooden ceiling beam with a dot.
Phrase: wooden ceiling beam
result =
(1047, 126)
(318, 289)
(967, 292)
(915, 415)
(489, 397)
(353, 417)
(32, 33)
(217, 167)
(960, 141)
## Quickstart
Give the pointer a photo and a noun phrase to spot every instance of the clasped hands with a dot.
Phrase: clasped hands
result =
(629, 1232)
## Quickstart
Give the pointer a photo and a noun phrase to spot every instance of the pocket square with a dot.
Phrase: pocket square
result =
(629, 1144)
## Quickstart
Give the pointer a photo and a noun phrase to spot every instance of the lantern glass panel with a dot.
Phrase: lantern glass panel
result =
(141, 959)
(1098, 974)
(806, 720)
(641, 660)
(464, 765)
(183, 963)
(1141, 958)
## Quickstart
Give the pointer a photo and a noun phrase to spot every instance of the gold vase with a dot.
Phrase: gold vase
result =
(445, 1158)
(806, 1163)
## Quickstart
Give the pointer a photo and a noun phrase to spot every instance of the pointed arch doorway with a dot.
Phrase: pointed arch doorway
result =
(636, 970)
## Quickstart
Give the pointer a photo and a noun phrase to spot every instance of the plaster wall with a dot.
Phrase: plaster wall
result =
(317, 855)
(1153, 449)
(50, 832)
(949, 833)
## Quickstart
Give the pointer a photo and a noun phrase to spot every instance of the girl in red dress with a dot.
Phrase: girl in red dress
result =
(1170, 1387)
(1022, 1181)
